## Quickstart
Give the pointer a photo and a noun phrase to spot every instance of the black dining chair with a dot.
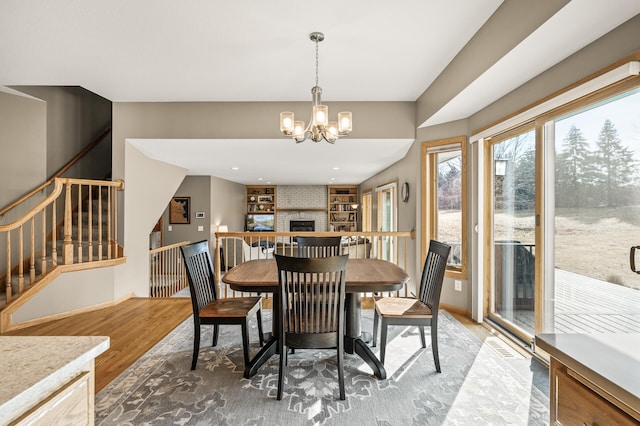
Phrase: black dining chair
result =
(318, 246)
(208, 308)
(305, 323)
(421, 311)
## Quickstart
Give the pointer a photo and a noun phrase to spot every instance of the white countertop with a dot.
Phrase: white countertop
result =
(35, 366)
(611, 361)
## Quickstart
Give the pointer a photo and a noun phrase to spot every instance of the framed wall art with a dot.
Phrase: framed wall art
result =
(180, 210)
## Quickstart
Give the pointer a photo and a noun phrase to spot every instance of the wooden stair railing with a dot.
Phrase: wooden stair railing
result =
(89, 232)
(167, 274)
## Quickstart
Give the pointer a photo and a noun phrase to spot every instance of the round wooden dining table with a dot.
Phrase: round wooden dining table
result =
(362, 276)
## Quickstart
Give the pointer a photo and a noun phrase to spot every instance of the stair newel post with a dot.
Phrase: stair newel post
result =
(54, 234)
(43, 258)
(216, 261)
(32, 253)
(109, 215)
(20, 260)
(100, 240)
(67, 244)
(8, 277)
(79, 222)
(90, 224)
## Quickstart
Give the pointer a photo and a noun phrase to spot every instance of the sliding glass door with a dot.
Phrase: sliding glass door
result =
(596, 217)
(512, 230)
(563, 198)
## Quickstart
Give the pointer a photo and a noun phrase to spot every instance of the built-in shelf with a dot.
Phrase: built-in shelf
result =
(343, 202)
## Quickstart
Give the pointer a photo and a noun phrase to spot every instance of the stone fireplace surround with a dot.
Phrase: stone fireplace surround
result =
(310, 199)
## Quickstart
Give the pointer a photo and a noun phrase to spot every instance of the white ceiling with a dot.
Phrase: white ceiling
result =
(248, 50)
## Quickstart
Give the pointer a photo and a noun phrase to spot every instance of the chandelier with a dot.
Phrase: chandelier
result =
(319, 127)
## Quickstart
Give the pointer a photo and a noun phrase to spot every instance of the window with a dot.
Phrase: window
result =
(444, 186)
(366, 212)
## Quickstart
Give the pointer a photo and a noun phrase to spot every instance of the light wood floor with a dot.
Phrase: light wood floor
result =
(134, 326)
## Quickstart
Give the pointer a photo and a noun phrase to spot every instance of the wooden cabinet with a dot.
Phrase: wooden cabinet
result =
(577, 404)
(51, 380)
(594, 380)
(72, 404)
(261, 199)
(343, 207)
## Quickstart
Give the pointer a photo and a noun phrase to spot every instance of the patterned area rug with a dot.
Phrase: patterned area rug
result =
(477, 386)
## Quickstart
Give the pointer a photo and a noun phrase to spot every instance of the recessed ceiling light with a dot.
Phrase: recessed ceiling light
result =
(260, 179)
(332, 178)
(235, 168)
(336, 168)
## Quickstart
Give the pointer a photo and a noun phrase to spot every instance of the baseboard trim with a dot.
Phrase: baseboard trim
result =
(60, 315)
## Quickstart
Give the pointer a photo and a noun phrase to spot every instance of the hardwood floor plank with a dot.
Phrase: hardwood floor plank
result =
(134, 326)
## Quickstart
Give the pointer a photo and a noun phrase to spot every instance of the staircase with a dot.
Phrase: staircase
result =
(74, 227)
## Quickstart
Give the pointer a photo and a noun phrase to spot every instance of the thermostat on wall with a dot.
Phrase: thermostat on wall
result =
(199, 215)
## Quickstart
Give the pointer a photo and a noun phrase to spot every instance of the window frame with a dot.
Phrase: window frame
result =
(430, 202)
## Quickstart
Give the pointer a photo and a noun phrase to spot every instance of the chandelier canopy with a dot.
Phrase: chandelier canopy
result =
(319, 126)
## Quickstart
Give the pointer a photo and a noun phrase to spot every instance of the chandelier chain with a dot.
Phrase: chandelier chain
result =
(317, 61)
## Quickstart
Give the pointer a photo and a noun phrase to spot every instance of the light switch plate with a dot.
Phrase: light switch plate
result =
(169, 228)
(200, 228)
(457, 285)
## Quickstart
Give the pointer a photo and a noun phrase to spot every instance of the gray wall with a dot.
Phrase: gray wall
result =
(74, 118)
(23, 150)
(199, 189)
(228, 205)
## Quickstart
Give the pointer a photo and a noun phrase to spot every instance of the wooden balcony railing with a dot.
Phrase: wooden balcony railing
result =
(233, 248)
(167, 275)
(76, 223)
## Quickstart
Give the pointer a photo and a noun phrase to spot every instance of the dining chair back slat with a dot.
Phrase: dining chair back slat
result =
(435, 266)
(312, 298)
(318, 246)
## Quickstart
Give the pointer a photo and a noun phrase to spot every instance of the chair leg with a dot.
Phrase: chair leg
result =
(375, 327)
(283, 356)
(196, 346)
(260, 333)
(434, 345)
(215, 335)
(383, 339)
(341, 368)
(245, 340)
(424, 341)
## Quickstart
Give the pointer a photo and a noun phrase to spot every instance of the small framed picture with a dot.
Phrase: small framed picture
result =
(180, 210)
(199, 215)
(265, 199)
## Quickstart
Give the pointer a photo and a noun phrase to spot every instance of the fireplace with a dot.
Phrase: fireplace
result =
(302, 225)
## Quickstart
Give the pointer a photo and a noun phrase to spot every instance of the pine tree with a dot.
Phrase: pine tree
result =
(615, 164)
(573, 169)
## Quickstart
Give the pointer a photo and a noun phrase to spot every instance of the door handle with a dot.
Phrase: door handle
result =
(632, 259)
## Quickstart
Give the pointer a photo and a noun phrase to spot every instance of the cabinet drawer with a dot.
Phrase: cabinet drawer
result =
(579, 405)
(70, 405)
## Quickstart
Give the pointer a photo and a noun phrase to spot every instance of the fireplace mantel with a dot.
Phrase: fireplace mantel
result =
(302, 209)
